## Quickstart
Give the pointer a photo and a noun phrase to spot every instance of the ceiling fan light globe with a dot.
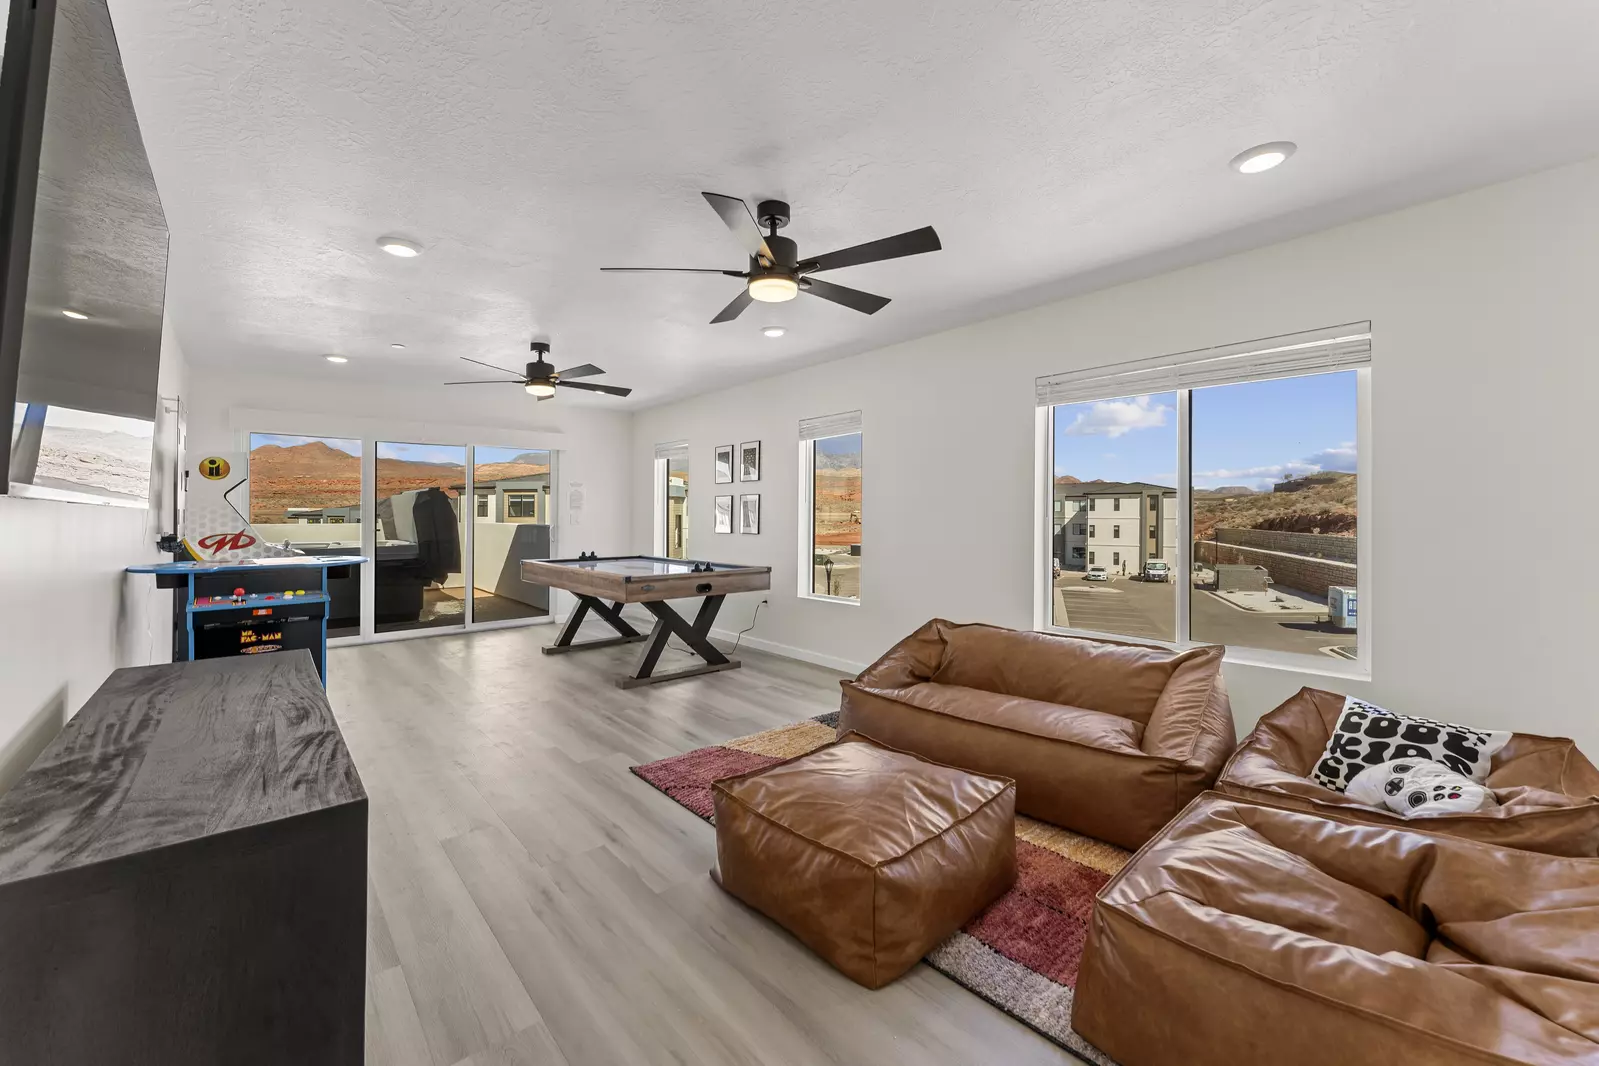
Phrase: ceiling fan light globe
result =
(541, 389)
(773, 288)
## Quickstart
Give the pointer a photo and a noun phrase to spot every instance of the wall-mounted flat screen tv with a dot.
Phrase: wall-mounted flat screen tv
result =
(80, 353)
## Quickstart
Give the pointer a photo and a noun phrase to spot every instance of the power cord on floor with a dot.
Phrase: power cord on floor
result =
(749, 627)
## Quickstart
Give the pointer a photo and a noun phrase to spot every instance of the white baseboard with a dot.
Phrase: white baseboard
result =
(644, 621)
(788, 651)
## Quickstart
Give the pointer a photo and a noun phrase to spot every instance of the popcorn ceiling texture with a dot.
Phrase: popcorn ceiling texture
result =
(1053, 144)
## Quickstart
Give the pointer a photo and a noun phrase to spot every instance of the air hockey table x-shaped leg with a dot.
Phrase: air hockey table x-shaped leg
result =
(668, 624)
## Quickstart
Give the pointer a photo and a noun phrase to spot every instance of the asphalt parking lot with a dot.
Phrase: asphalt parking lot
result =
(1147, 610)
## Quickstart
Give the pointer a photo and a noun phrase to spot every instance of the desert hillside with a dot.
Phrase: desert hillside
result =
(1322, 503)
(317, 475)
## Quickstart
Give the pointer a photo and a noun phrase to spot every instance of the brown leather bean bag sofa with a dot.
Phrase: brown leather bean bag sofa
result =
(1547, 790)
(1245, 934)
(1105, 738)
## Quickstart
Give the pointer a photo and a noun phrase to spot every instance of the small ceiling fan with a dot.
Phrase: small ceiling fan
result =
(777, 273)
(542, 379)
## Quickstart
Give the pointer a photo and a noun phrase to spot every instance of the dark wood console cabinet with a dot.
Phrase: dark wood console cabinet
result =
(183, 876)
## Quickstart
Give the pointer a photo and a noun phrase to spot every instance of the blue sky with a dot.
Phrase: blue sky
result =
(850, 444)
(1252, 434)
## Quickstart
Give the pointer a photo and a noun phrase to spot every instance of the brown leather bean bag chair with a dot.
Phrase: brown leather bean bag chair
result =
(1245, 934)
(1105, 738)
(1547, 790)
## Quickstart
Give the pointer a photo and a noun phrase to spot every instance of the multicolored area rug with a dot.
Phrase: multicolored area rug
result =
(1022, 953)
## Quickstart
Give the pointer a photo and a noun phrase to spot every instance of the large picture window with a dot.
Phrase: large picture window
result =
(830, 513)
(1247, 475)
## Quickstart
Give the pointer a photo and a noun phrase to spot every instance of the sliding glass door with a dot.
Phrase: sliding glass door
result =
(511, 521)
(419, 573)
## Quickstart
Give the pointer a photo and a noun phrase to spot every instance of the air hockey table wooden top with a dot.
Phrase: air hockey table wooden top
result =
(645, 578)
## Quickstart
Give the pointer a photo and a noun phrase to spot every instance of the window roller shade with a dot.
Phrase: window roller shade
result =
(1313, 352)
(676, 449)
(830, 425)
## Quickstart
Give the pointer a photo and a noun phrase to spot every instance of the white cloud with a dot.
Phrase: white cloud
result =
(1340, 459)
(1113, 418)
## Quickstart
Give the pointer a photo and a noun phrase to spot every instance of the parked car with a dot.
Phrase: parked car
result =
(1156, 570)
(1097, 573)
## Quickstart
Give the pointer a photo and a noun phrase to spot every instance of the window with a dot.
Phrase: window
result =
(420, 530)
(512, 523)
(1273, 475)
(671, 500)
(1091, 532)
(1077, 553)
(1116, 504)
(1116, 531)
(1080, 530)
(1092, 504)
(1284, 453)
(830, 512)
(300, 485)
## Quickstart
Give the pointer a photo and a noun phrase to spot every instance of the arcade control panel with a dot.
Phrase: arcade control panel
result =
(239, 622)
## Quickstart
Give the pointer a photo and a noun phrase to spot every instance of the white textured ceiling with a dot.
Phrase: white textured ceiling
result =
(1052, 143)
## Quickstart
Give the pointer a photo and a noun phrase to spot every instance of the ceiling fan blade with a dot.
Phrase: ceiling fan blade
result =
(864, 302)
(496, 381)
(587, 370)
(670, 270)
(736, 214)
(588, 386)
(734, 309)
(516, 373)
(914, 242)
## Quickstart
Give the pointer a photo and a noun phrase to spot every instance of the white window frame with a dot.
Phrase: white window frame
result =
(659, 531)
(1043, 603)
(811, 430)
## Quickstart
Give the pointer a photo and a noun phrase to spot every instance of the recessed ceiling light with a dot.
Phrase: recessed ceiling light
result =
(774, 331)
(70, 313)
(1263, 157)
(400, 246)
(335, 358)
(396, 345)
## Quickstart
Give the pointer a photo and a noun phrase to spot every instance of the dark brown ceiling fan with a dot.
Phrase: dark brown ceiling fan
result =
(776, 272)
(542, 379)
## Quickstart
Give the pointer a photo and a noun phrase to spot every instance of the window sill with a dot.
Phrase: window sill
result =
(845, 600)
(1260, 658)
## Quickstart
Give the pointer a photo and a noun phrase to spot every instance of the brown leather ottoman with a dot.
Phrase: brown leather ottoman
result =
(868, 855)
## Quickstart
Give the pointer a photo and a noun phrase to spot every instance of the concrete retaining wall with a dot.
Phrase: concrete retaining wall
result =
(1310, 575)
(1316, 545)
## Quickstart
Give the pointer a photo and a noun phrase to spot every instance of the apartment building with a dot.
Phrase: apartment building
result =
(1114, 524)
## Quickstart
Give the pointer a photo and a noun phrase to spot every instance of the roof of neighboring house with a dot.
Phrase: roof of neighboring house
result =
(1112, 488)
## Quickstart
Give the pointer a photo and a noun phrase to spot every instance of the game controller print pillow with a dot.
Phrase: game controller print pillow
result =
(1417, 788)
(1366, 735)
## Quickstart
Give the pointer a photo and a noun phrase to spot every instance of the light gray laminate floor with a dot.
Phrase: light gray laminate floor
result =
(531, 901)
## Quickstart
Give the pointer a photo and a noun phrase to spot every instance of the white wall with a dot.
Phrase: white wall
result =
(1484, 350)
(71, 615)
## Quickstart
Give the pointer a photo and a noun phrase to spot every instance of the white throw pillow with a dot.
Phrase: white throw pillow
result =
(1417, 788)
(1366, 735)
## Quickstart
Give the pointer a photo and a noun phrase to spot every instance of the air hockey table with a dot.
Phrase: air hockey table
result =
(604, 586)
